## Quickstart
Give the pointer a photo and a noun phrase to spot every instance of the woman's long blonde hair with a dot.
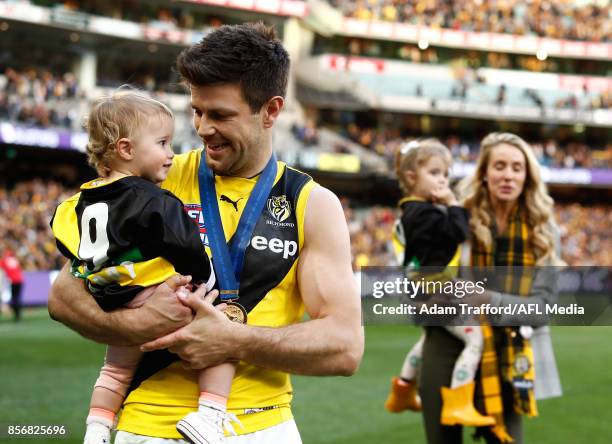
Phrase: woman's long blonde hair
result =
(534, 201)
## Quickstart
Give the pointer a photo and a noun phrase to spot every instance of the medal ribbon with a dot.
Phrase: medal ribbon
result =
(229, 259)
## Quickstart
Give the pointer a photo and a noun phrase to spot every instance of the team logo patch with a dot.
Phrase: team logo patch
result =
(194, 211)
(521, 364)
(279, 208)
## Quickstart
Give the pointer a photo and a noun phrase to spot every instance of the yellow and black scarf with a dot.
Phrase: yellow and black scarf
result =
(514, 359)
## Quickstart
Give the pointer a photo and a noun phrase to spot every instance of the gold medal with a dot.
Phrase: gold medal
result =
(236, 312)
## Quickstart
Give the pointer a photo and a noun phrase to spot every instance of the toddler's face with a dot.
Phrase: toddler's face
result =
(432, 176)
(153, 149)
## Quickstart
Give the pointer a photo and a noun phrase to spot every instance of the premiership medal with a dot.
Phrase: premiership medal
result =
(236, 312)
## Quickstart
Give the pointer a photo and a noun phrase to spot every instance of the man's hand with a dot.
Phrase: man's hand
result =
(161, 314)
(207, 340)
(71, 304)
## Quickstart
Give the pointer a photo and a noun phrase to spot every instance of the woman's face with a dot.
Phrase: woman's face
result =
(506, 173)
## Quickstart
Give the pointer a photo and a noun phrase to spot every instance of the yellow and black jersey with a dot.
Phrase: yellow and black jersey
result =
(163, 391)
(126, 235)
(430, 234)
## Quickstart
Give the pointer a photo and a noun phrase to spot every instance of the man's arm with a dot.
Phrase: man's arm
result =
(71, 304)
(330, 343)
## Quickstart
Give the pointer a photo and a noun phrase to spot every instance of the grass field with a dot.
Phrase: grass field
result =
(46, 373)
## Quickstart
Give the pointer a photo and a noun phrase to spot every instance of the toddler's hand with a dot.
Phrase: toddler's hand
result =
(443, 196)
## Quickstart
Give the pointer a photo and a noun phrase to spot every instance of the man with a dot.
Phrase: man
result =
(10, 265)
(297, 257)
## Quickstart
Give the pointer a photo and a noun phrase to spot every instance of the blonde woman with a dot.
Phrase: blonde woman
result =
(511, 225)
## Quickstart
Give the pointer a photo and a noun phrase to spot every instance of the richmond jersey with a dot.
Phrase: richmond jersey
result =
(126, 235)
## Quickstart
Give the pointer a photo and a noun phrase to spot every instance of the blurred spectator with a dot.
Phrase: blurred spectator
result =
(561, 19)
(459, 89)
(535, 98)
(9, 264)
(603, 101)
(307, 134)
(498, 60)
(570, 101)
(501, 95)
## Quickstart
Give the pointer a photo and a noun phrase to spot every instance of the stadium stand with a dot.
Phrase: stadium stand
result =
(39, 98)
(558, 19)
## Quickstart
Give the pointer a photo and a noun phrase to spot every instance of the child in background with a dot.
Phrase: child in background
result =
(125, 235)
(430, 230)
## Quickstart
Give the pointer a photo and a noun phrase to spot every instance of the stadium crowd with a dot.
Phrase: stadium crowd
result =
(564, 19)
(25, 212)
(585, 234)
(162, 17)
(39, 98)
(26, 209)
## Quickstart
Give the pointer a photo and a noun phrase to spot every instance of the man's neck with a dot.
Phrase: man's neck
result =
(256, 165)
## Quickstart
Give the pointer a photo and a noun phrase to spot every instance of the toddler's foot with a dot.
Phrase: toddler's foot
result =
(97, 434)
(206, 426)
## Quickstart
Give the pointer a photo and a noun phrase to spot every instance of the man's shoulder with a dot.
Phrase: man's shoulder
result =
(323, 208)
(296, 181)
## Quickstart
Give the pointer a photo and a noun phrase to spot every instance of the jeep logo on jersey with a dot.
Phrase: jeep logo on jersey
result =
(279, 208)
(275, 245)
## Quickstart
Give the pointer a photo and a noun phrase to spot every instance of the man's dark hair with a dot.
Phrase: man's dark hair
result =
(249, 55)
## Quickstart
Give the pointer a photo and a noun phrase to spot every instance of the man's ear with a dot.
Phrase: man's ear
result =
(271, 110)
(125, 149)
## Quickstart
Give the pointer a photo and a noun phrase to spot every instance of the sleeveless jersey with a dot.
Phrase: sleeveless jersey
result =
(268, 290)
(126, 235)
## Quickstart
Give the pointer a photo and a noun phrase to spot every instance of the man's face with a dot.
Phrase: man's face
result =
(233, 135)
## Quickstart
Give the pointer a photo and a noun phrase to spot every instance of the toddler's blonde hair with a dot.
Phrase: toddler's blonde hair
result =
(122, 114)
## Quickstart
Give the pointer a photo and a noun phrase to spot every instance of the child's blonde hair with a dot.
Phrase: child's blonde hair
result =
(412, 155)
(114, 117)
